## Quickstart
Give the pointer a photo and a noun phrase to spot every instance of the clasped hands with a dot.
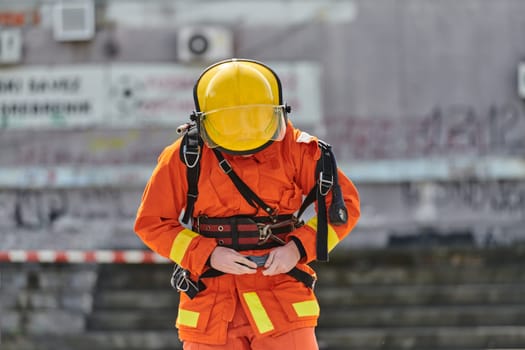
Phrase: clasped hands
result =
(280, 260)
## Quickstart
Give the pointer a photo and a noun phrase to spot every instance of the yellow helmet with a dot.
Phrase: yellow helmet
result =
(239, 106)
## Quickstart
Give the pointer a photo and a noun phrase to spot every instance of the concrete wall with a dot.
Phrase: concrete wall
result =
(425, 87)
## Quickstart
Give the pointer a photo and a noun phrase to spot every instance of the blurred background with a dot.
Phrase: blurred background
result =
(422, 101)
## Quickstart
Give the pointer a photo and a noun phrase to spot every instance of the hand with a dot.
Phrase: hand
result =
(282, 259)
(230, 261)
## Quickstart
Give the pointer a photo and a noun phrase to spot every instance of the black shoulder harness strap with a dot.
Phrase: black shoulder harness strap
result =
(244, 190)
(326, 174)
(190, 153)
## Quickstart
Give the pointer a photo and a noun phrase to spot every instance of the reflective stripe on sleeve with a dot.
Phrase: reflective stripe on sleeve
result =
(181, 244)
(262, 321)
(188, 318)
(306, 308)
(333, 238)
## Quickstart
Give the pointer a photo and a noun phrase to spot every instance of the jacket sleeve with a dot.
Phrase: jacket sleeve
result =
(157, 221)
(306, 162)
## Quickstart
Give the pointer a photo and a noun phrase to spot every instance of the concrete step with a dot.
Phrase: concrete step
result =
(429, 255)
(431, 294)
(377, 338)
(423, 316)
(136, 277)
(383, 316)
(397, 338)
(426, 275)
(342, 296)
(104, 340)
(144, 299)
(132, 320)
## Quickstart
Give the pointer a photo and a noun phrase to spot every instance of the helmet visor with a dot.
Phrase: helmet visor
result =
(243, 128)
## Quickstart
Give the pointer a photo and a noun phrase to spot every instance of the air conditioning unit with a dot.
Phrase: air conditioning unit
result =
(521, 80)
(10, 46)
(74, 20)
(204, 43)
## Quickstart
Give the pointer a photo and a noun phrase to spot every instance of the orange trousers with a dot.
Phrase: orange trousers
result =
(242, 337)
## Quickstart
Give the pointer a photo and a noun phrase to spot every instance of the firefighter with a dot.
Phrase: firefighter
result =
(242, 261)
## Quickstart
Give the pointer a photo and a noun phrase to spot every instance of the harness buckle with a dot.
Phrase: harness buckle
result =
(325, 183)
(265, 231)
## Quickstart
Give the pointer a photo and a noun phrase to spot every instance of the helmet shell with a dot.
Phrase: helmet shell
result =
(236, 82)
(240, 104)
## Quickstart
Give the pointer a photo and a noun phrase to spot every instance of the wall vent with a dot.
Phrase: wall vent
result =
(204, 44)
(74, 20)
(10, 46)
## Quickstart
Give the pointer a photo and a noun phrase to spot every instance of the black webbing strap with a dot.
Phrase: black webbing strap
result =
(244, 190)
(190, 155)
(302, 276)
(309, 199)
(324, 184)
(195, 287)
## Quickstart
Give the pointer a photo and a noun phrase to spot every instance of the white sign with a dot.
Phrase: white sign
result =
(129, 95)
(68, 96)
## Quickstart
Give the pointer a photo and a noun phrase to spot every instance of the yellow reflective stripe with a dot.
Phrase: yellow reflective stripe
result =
(263, 322)
(188, 318)
(180, 244)
(333, 238)
(306, 308)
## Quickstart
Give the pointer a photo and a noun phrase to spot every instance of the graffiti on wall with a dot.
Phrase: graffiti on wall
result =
(451, 130)
(495, 196)
(101, 147)
(41, 209)
(444, 131)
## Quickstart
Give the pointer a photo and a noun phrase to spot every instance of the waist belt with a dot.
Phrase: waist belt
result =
(240, 233)
(246, 233)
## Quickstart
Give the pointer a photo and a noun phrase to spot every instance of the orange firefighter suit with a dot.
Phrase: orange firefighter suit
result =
(281, 175)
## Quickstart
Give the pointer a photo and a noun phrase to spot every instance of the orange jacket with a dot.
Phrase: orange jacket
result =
(280, 175)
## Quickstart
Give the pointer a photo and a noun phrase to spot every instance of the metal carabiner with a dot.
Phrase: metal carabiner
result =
(265, 231)
(181, 281)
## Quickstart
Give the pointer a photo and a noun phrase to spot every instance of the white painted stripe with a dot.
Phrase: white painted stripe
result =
(46, 255)
(104, 256)
(133, 256)
(18, 256)
(75, 256)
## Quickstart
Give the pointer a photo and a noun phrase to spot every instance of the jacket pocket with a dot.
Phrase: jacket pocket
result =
(296, 300)
(194, 314)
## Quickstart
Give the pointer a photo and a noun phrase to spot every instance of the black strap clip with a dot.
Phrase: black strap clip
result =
(225, 166)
